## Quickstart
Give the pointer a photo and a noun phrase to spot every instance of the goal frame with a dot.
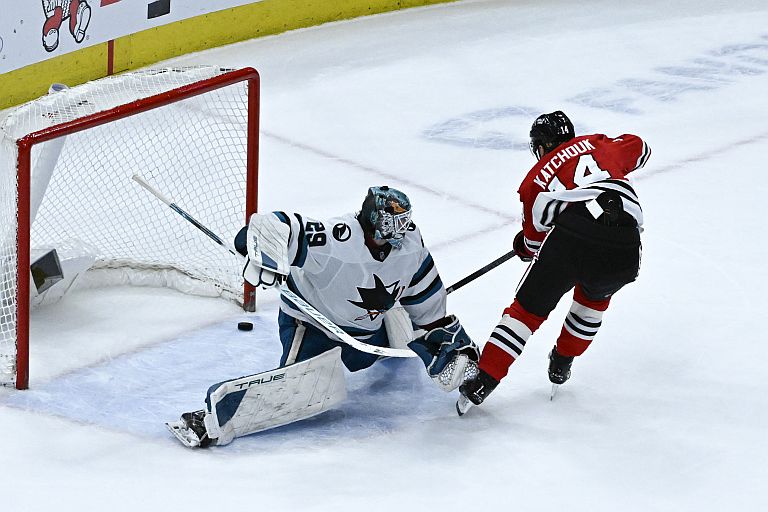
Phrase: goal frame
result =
(23, 182)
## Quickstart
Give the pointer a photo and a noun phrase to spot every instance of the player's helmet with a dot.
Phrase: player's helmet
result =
(386, 214)
(550, 130)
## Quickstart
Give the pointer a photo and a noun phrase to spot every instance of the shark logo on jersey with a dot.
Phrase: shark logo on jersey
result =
(379, 299)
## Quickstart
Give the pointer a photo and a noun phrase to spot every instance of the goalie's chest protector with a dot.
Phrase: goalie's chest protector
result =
(340, 277)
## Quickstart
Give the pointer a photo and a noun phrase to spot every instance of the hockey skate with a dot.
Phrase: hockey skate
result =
(190, 430)
(559, 370)
(474, 391)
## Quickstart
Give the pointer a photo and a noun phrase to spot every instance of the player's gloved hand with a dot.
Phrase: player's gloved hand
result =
(263, 277)
(448, 353)
(521, 251)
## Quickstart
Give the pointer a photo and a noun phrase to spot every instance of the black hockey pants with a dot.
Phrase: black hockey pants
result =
(581, 250)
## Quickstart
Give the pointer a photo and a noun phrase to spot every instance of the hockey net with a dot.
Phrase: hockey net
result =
(66, 162)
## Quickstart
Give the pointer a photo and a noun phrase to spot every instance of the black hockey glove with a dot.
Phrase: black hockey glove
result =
(521, 250)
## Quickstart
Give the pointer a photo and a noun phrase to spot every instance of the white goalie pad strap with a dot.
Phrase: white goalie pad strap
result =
(456, 372)
(270, 399)
(399, 327)
(268, 239)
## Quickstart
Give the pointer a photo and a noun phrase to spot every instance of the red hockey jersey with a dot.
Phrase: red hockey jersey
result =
(580, 170)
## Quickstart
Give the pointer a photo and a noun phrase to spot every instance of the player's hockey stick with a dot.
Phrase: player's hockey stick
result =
(479, 272)
(300, 303)
(372, 349)
(464, 404)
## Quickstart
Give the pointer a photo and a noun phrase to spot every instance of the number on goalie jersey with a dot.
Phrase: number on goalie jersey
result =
(353, 269)
(581, 228)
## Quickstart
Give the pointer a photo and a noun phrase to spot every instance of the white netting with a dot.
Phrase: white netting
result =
(7, 262)
(194, 151)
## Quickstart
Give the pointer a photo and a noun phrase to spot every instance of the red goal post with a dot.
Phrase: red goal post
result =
(66, 163)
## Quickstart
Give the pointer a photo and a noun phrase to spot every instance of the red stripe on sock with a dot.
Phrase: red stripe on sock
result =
(570, 345)
(600, 305)
(495, 361)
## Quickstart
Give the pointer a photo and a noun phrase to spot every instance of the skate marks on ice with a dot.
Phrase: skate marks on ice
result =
(137, 392)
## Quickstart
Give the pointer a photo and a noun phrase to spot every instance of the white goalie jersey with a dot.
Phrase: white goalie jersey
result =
(333, 269)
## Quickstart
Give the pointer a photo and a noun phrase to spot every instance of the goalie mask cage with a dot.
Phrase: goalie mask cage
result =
(66, 162)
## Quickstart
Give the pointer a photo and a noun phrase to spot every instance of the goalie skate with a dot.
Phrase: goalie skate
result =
(190, 430)
(183, 433)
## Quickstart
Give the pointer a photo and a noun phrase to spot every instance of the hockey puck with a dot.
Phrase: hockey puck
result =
(245, 326)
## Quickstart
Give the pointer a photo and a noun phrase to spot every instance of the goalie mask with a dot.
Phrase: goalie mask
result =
(549, 131)
(386, 214)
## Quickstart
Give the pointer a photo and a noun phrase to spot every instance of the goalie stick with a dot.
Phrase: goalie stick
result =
(300, 303)
(173, 206)
(462, 406)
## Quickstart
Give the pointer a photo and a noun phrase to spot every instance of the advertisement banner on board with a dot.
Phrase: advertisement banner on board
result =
(35, 30)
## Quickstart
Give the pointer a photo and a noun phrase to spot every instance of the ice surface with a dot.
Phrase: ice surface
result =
(666, 411)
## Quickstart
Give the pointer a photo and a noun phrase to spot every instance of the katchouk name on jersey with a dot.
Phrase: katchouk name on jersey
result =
(559, 159)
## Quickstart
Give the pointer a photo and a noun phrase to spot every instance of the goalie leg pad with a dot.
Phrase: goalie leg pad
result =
(278, 397)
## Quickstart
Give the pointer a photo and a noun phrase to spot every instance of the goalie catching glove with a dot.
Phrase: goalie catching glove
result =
(448, 353)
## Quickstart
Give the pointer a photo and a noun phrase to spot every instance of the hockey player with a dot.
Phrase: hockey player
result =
(353, 269)
(581, 229)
